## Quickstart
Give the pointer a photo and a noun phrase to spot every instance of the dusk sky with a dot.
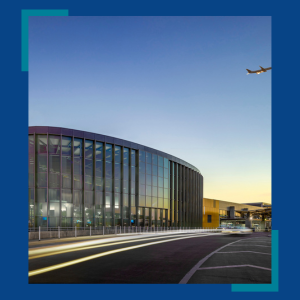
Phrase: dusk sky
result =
(176, 84)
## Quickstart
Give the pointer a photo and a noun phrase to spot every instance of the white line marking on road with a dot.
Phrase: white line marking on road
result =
(244, 251)
(252, 246)
(235, 266)
(188, 276)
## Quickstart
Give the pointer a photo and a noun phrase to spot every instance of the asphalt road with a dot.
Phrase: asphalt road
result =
(129, 259)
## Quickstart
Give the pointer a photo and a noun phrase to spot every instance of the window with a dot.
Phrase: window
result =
(208, 218)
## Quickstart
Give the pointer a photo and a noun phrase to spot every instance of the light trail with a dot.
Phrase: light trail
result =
(87, 258)
(83, 247)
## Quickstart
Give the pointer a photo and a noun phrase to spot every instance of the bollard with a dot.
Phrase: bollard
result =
(120, 229)
(103, 229)
(75, 232)
(90, 230)
(39, 233)
(58, 232)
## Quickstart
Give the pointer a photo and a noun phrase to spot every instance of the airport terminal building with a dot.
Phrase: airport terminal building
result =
(83, 179)
(257, 215)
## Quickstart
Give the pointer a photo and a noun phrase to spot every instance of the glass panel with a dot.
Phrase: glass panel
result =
(41, 179)
(142, 178)
(142, 167)
(166, 163)
(117, 154)
(89, 151)
(54, 208)
(154, 201)
(66, 164)
(89, 167)
(99, 150)
(133, 158)
(133, 173)
(160, 192)
(117, 185)
(67, 210)
(77, 197)
(142, 190)
(154, 170)
(154, 159)
(142, 156)
(154, 180)
(125, 186)
(54, 163)
(160, 202)
(54, 144)
(41, 163)
(118, 171)
(108, 169)
(126, 156)
(166, 204)
(42, 143)
(160, 182)
(166, 183)
(99, 168)
(77, 147)
(160, 161)
(98, 198)
(125, 172)
(108, 200)
(132, 198)
(148, 158)
(148, 179)
(108, 152)
(166, 193)
(148, 169)
(41, 195)
(166, 173)
(161, 172)
(66, 146)
(148, 190)
(66, 196)
(154, 191)
(142, 200)
(77, 166)
(148, 201)
(132, 187)
(77, 182)
(54, 180)
(108, 185)
(125, 200)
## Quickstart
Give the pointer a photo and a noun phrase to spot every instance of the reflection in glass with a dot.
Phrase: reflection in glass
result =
(148, 158)
(108, 152)
(42, 143)
(117, 154)
(133, 162)
(142, 156)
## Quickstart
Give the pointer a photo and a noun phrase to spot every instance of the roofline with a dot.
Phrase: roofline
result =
(105, 138)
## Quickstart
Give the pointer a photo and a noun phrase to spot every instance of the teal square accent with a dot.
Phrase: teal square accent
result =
(24, 35)
(273, 287)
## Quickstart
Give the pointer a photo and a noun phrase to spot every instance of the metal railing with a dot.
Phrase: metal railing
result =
(61, 232)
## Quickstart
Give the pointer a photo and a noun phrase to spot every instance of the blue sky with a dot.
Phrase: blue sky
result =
(177, 84)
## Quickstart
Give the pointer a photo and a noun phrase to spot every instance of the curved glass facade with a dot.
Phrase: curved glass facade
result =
(82, 179)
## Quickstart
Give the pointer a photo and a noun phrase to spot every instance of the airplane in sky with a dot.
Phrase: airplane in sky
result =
(259, 71)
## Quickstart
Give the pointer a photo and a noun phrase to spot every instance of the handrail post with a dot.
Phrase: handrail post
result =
(39, 233)
(59, 232)
(90, 230)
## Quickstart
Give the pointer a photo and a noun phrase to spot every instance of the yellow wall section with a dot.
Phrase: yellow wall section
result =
(210, 207)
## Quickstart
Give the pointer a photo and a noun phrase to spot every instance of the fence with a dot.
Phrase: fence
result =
(63, 232)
